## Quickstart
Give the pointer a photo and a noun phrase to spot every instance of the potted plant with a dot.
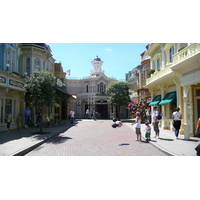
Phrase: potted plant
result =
(151, 71)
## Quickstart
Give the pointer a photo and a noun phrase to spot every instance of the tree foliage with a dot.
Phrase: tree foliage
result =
(119, 93)
(40, 89)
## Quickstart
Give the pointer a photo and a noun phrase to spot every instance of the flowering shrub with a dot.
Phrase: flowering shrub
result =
(136, 106)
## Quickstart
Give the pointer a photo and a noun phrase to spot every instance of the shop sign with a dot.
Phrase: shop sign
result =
(2, 79)
(16, 83)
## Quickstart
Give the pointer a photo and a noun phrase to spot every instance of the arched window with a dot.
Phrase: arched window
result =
(101, 87)
(171, 53)
(8, 55)
(37, 65)
(86, 88)
(158, 64)
(28, 66)
(43, 66)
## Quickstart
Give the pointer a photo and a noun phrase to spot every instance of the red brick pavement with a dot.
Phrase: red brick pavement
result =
(96, 138)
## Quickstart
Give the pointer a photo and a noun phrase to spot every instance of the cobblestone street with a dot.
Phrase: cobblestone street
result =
(96, 138)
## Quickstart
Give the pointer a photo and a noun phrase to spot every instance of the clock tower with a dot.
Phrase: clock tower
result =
(96, 63)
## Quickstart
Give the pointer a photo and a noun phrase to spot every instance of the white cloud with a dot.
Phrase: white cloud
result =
(108, 49)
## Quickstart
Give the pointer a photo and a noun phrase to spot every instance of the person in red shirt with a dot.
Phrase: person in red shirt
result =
(198, 128)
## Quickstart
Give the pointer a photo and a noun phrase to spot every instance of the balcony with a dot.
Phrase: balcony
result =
(158, 75)
(186, 53)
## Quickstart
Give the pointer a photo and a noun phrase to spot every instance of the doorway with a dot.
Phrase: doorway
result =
(102, 111)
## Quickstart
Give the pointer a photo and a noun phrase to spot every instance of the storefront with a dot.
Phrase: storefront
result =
(12, 93)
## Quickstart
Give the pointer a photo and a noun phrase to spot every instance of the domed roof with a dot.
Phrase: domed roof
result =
(97, 58)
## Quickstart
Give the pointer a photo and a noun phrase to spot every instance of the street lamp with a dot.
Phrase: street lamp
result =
(7, 67)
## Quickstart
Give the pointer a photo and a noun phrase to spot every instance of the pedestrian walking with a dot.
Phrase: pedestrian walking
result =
(27, 113)
(18, 122)
(148, 115)
(8, 120)
(48, 121)
(72, 113)
(198, 128)
(198, 150)
(87, 114)
(38, 117)
(177, 116)
(147, 132)
(138, 126)
(155, 121)
(94, 115)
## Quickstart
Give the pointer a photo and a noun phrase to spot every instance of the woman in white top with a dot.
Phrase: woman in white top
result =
(177, 116)
(138, 126)
(72, 113)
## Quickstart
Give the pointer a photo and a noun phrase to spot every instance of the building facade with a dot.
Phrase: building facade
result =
(137, 79)
(176, 83)
(12, 91)
(90, 93)
(18, 60)
(143, 93)
(63, 97)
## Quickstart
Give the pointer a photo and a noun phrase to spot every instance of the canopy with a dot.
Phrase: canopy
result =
(169, 98)
(156, 100)
(62, 93)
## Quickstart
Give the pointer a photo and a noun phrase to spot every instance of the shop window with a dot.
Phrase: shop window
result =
(198, 92)
(8, 106)
(1, 110)
(14, 110)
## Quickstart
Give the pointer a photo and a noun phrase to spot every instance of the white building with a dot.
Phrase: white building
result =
(90, 93)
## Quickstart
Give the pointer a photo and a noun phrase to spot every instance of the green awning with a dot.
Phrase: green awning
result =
(155, 101)
(169, 98)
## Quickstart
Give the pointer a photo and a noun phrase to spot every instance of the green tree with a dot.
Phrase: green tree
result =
(40, 89)
(119, 93)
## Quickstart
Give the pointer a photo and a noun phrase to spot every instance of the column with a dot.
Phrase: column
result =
(185, 99)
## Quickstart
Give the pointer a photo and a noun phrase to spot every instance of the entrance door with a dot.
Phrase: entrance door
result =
(102, 111)
(198, 108)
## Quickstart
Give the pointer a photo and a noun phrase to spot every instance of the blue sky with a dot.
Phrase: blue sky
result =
(118, 58)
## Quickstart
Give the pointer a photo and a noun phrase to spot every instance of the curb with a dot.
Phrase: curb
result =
(32, 147)
(162, 149)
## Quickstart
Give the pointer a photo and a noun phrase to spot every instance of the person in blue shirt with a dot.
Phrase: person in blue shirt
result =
(27, 114)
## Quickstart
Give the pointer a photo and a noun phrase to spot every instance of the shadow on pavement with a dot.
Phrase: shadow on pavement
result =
(189, 140)
(153, 140)
(14, 135)
(34, 132)
(58, 139)
(166, 139)
(123, 144)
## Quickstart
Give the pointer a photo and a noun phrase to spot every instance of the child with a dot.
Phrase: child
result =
(8, 118)
(148, 132)
(18, 121)
(48, 121)
(138, 126)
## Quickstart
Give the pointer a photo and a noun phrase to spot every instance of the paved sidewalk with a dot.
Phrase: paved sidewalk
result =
(20, 142)
(16, 143)
(168, 143)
